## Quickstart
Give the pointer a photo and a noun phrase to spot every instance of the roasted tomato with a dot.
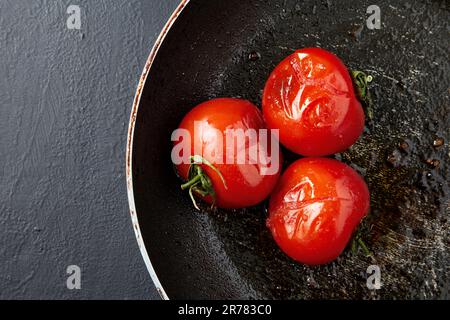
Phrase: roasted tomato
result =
(219, 167)
(315, 208)
(310, 98)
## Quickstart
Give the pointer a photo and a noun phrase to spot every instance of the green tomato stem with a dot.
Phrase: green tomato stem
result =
(198, 181)
(361, 81)
(191, 182)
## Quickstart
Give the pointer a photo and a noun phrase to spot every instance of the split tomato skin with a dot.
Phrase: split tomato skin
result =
(315, 208)
(245, 184)
(310, 98)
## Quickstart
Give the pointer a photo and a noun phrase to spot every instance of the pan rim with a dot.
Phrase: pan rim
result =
(129, 149)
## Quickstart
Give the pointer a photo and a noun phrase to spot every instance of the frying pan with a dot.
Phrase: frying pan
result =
(227, 49)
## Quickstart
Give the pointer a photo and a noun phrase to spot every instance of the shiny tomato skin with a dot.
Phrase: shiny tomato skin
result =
(315, 207)
(310, 98)
(245, 185)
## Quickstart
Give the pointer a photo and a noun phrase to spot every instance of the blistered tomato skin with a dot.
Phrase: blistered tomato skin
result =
(316, 206)
(246, 184)
(310, 98)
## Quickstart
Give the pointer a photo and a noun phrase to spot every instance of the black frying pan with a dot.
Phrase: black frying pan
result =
(210, 51)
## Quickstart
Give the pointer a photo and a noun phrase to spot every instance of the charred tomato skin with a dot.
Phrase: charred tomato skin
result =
(315, 208)
(245, 185)
(310, 98)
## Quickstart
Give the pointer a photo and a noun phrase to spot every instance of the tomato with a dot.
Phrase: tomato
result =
(235, 183)
(310, 98)
(315, 208)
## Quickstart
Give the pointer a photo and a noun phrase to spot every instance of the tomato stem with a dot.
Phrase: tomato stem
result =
(359, 242)
(361, 81)
(191, 182)
(363, 246)
(196, 159)
(198, 181)
(191, 195)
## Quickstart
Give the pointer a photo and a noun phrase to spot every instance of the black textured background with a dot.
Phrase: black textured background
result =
(65, 99)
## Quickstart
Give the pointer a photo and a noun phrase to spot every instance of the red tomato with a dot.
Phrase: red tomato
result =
(310, 98)
(243, 184)
(315, 208)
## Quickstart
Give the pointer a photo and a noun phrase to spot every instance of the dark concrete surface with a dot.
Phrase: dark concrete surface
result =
(65, 98)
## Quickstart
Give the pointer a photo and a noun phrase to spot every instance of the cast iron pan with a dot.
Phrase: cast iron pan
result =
(230, 254)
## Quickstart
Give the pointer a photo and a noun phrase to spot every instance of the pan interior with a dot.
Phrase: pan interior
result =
(230, 254)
